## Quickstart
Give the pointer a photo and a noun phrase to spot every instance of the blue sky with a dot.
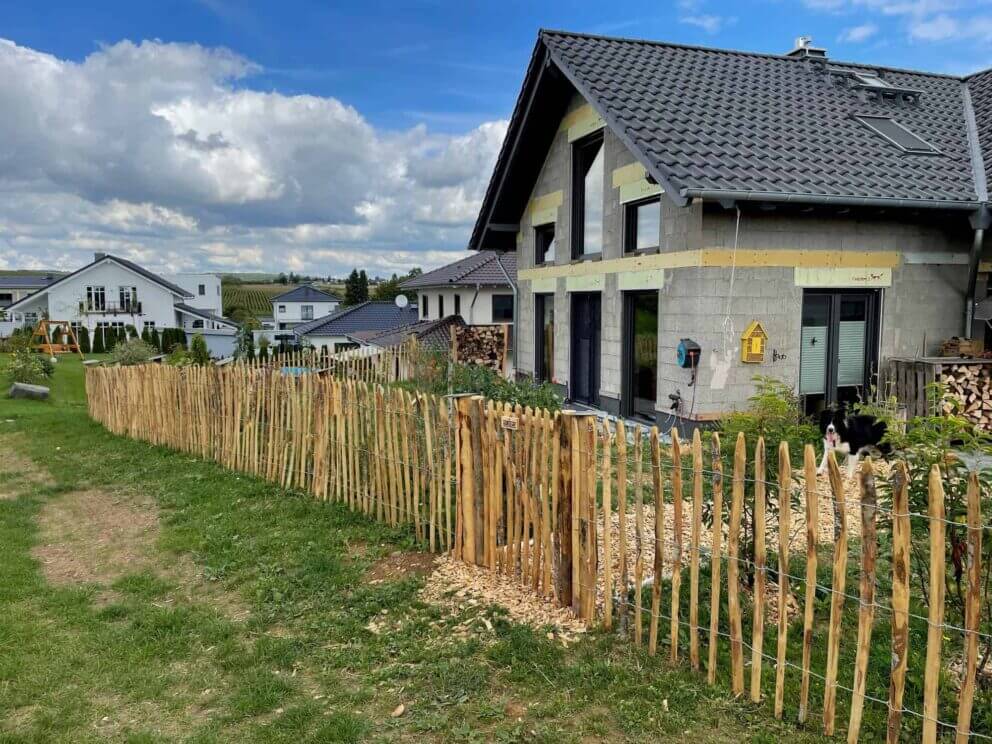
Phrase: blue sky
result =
(216, 134)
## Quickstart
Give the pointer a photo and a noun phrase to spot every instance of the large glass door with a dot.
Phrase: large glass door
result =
(640, 354)
(585, 347)
(838, 346)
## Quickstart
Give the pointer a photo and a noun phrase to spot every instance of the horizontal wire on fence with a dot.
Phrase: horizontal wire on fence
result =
(701, 630)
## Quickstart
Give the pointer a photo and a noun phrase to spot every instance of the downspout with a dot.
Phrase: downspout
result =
(980, 222)
(471, 305)
(980, 217)
(513, 286)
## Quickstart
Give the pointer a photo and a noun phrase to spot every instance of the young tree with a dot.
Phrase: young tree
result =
(132, 332)
(263, 348)
(198, 350)
(98, 339)
(83, 337)
(363, 286)
(245, 347)
(153, 338)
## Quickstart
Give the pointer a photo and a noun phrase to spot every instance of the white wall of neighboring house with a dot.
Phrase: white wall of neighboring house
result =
(478, 313)
(290, 314)
(67, 300)
(205, 289)
(333, 343)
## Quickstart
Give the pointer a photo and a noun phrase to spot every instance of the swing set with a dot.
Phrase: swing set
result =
(50, 346)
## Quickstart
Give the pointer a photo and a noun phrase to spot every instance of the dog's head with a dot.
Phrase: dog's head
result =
(832, 425)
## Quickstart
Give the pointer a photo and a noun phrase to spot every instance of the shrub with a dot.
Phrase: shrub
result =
(57, 334)
(245, 348)
(263, 348)
(98, 341)
(198, 350)
(83, 337)
(153, 338)
(131, 352)
(179, 357)
(27, 367)
(132, 332)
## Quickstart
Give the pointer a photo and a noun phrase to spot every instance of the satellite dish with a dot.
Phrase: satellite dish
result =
(401, 301)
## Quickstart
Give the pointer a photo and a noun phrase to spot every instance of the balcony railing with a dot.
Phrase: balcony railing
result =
(111, 308)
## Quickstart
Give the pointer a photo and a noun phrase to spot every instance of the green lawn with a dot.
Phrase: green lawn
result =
(147, 596)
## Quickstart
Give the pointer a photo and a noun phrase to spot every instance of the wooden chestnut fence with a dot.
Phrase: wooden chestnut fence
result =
(679, 546)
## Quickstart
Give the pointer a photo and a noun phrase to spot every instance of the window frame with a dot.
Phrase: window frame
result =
(630, 226)
(440, 305)
(595, 143)
(202, 289)
(492, 308)
(458, 304)
(540, 305)
(425, 309)
(91, 296)
(541, 244)
(306, 310)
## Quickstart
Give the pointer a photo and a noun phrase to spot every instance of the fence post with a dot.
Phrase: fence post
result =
(465, 478)
(563, 528)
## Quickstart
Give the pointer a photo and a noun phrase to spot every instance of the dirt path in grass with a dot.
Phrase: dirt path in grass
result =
(18, 474)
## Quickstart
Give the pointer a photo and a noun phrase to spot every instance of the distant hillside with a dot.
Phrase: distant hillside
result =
(31, 272)
(256, 297)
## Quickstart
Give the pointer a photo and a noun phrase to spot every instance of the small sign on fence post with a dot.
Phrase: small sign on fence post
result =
(510, 423)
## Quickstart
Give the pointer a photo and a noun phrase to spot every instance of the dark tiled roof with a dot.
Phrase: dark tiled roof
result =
(711, 122)
(25, 281)
(368, 316)
(719, 120)
(481, 268)
(306, 293)
(205, 314)
(980, 87)
(435, 334)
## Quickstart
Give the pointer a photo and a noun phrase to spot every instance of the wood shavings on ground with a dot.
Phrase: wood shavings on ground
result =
(456, 586)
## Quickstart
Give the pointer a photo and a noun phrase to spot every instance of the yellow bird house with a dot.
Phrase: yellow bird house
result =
(753, 342)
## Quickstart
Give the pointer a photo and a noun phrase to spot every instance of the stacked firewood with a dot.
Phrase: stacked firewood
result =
(959, 347)
(482, 345)
(971, 386)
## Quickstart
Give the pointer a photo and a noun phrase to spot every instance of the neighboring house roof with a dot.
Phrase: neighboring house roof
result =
(174, 288)
(25, 281)
(306, 293)
(435, 334)
(722, 124)
(481, 268)
(367, 316)
(205, 314)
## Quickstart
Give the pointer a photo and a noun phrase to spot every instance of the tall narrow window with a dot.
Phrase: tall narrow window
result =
(202, 289)
(458, 304)
(545, 337)
(96, 298)
(587, 197)
(544, 242)
(127, 298)
(423, 307)
(642, 225)
(440, 306)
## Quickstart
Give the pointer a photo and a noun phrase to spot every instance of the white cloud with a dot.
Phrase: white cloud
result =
(858, 34)
(161, 149)
(692, 13)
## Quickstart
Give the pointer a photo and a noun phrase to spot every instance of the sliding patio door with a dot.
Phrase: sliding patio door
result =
(838, 346)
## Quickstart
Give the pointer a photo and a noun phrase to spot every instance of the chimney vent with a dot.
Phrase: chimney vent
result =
(97, 256)
(804, 48)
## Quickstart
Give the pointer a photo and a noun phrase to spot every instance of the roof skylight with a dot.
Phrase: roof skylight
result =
(898, 135)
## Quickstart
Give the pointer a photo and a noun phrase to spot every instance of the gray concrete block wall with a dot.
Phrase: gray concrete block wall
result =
(694, 304)
(924, 307)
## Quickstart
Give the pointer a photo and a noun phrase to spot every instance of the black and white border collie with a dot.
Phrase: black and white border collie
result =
(850, 435)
